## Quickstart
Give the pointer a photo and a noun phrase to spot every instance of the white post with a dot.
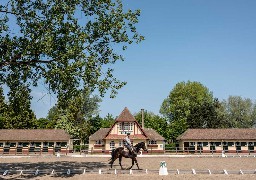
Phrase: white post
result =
(146, 171)
(209, 171)
(84, 171)
(225, 172)
(115, 171)
(163, 168)
(193, 171)
(131, 171)
(99, 171)
(178, 172)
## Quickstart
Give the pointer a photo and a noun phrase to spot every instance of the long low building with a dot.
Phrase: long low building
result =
(218, 140)
(33, 141)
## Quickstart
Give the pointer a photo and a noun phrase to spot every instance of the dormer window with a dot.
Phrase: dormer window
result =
(126, 126)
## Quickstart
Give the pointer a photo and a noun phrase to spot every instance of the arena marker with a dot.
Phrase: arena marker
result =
(21, 172)
(84, 171)
(131, 171)
(5, 172)
(115, 171)
(193, 171)
(178, 172)
(146, 171)
(209, 171)
(241, 172)
(52, 171)
(225, 172)
(68, 172)
(99, 171)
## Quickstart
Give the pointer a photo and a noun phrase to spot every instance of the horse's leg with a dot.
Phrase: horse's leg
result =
(120, 161)
(113, 160)
(135, 159)
(132, 163)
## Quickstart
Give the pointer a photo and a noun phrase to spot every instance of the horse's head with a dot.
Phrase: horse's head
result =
(141, 145)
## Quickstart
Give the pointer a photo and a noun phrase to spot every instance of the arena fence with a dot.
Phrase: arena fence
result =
(72, 172)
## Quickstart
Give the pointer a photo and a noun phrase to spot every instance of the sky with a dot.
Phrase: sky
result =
(211, 42)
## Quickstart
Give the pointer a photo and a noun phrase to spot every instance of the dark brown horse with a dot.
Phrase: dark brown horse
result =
(120, 152)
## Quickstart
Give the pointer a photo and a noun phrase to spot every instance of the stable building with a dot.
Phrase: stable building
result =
(34, 141)
(106, 139)
(216, 140)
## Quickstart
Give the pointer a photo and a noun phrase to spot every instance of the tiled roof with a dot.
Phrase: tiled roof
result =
(219, 134)
(125, 116)
(115, 136)
(33, 135)
(99, 135)
(153, 135)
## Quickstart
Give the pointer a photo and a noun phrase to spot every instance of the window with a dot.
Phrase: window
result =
(218, 143)
(98, 142)
(112, 144)
(152, 142)
(191, 143)
(238, 143)
(205, 144)
(121, 143)
(63, 144)
(127, 126)
(250, 144)
(199, 144)
(225, 144)
(230, 143)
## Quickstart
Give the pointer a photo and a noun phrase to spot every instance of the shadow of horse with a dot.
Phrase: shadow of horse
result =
(120, 152)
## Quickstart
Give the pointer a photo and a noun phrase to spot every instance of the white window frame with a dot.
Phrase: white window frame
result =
(112, 144)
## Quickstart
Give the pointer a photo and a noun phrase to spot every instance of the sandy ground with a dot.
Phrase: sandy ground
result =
(151, 165)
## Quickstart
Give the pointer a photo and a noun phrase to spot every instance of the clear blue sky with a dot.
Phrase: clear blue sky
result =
(212, 42)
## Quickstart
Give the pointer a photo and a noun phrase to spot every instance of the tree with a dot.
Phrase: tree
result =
(19, 114)
(159, 124)
(80, 118)
(69, 44)
(107, 121)
(182, 105)
(3, 108)
(239, 112)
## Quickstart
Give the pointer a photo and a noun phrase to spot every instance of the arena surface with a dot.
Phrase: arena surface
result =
(79, 168)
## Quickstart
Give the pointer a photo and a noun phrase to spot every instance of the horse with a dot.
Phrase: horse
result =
(120, 152)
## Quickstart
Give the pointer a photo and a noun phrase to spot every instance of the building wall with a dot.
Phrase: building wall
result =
(35, 147)
(218, 146)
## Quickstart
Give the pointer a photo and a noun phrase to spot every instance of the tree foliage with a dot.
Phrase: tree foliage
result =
(17, 114)
(156, 122)
(239, 112)
(189, 105)
(70, 45)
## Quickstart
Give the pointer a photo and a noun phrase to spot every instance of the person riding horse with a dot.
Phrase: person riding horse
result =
(128, 145)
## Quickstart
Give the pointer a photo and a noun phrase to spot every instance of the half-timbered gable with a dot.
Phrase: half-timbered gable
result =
(113, 137)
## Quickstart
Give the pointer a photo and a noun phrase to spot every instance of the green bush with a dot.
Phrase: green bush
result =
(77, 147)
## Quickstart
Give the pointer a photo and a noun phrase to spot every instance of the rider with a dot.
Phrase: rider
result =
(128, 144)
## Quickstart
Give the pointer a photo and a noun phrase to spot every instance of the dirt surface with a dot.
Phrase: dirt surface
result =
(88, 168)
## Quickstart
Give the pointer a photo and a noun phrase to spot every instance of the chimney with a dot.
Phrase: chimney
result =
(142, 118)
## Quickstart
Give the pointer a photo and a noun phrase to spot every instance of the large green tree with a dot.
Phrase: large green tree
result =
(70, 45)
(185, 107)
